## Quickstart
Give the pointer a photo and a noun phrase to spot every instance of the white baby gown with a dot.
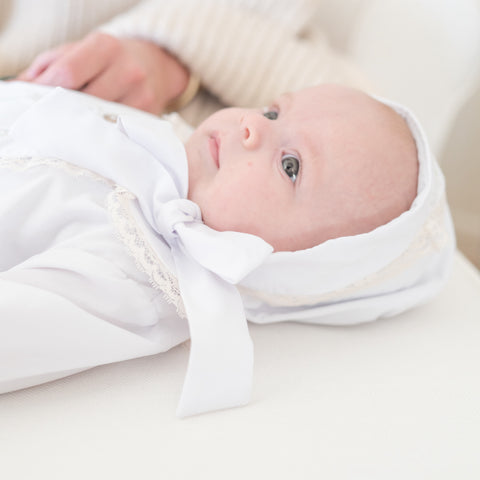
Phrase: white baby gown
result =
(85, 278)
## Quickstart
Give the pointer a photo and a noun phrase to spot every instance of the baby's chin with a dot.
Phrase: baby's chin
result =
(292, 243)
(296, 240)
(283, 241)
(281, 238)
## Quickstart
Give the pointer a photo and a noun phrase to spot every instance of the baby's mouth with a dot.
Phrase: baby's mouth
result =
(214, 146)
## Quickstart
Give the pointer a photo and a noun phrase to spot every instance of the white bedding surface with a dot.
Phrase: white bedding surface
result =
(397, 398)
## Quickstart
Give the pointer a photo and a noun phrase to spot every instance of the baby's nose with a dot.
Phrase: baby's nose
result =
(252, 130)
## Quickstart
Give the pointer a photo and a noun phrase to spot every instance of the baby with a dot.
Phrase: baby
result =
(325, 207)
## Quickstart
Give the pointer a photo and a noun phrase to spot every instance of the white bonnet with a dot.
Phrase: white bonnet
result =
(363, 277)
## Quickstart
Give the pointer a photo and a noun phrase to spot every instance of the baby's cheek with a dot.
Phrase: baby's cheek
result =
(231, 209)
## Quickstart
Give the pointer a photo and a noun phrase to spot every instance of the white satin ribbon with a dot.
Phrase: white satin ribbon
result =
(147, 159)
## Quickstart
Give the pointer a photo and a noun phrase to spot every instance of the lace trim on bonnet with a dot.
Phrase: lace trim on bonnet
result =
(127, 229)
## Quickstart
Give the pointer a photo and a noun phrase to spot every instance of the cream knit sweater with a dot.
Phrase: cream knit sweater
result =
(246, 52)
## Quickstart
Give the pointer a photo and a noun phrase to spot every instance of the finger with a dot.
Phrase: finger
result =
(41, 63)
(80, 64)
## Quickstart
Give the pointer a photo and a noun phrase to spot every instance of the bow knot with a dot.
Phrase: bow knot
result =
(175, 212)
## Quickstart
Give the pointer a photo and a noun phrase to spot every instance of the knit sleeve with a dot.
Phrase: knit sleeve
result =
(242, 55)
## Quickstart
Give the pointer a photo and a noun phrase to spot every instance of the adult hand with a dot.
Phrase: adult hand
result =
(135, 72)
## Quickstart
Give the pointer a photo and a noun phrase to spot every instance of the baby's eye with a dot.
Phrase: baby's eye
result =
(291, 166)
(270, 114)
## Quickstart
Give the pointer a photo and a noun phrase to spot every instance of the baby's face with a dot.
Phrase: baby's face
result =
(320, 163)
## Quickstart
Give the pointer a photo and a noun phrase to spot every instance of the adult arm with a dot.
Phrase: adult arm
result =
(243, 55)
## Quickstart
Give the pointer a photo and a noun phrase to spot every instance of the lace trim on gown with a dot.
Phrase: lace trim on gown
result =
(119, 205)
(119, 202)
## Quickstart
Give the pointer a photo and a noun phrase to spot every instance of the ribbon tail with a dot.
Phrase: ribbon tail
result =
(220, 367)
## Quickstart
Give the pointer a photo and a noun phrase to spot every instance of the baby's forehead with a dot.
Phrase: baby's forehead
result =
(367, 168)
(338, 102)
